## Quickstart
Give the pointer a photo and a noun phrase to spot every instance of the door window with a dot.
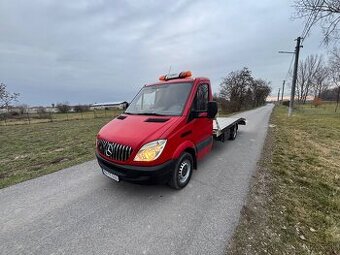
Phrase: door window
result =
(201, 100)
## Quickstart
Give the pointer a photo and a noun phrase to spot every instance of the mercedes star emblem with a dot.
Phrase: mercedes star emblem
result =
(109, 150)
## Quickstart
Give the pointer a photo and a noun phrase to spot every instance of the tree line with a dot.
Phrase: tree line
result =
(239, 90)
(319, 78)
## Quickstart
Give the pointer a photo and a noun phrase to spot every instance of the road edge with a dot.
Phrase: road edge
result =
(258, 196)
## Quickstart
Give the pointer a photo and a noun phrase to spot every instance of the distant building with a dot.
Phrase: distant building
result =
(37, 109)
(118, 105)
(30, 110)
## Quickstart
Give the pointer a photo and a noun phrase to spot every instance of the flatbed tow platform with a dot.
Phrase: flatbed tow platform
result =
(226, 127)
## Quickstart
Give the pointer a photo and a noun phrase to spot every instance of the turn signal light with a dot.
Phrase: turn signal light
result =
(186, 74)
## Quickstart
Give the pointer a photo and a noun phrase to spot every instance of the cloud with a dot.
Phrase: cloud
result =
(93, 51)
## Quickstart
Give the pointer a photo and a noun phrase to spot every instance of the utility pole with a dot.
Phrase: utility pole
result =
(283, 90)
(278, 97)
(296, 63)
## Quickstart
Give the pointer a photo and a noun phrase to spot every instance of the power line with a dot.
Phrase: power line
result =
(290, 67)
(308, 28)
(307, 25)
(289, 70)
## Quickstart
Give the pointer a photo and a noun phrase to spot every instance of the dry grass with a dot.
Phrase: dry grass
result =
(29, 151)
(294, 205)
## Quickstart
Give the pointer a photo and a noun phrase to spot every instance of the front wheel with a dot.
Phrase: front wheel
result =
(181, 175)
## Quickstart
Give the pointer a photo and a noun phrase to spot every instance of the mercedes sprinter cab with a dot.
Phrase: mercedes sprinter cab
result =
(162, 134)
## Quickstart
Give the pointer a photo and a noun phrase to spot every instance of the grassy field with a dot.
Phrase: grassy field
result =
(294, 203)
(29, 151)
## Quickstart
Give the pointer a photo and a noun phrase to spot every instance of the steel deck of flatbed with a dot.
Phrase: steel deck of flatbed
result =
(221, 124)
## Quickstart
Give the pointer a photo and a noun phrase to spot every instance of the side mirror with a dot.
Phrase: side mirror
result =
(212, 109)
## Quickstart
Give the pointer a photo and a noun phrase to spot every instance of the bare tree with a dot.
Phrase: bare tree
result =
(321, 82)
(301, 80)
(6, 98)
(306, 76)
(326, 13)
(240, 90)
(334, 66)
(63, 107)
(234, 88)
(261, 90)
(81, 108)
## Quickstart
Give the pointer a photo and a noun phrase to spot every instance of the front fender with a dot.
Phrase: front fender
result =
(182, 147)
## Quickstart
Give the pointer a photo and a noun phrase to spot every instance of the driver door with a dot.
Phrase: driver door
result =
(201, 125)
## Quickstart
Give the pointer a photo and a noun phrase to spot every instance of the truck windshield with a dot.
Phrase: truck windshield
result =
(162, 99)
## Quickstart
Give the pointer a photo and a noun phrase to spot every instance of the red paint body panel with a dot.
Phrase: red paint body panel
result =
(180, 133)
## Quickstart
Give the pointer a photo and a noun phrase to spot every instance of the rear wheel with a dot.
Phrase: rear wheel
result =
(233, 132)
(181, 175)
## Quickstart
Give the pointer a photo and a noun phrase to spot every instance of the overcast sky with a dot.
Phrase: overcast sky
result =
(98, 51)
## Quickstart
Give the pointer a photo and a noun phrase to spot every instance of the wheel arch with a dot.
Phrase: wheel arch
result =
(189, 147)
(193, 154)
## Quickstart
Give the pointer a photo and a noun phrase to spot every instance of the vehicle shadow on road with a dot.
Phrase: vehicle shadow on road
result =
(137, 190)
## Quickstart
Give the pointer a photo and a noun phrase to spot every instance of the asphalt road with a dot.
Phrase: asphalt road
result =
(80, 211)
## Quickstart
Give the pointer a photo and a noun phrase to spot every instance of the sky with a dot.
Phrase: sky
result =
(92, 51)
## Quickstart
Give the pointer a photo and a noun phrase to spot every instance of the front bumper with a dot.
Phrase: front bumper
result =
(138, 174)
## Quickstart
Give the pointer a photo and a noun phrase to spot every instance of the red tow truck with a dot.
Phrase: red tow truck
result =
(165, 130)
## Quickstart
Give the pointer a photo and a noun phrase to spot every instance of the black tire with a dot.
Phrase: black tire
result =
(181, 175)
(233, 132)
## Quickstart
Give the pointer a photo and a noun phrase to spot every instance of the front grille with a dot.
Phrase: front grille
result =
(115, 151)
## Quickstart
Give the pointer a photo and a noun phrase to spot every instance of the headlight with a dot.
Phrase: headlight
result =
(150, 151)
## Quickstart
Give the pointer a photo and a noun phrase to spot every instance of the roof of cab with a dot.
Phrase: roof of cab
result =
(179, 80)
